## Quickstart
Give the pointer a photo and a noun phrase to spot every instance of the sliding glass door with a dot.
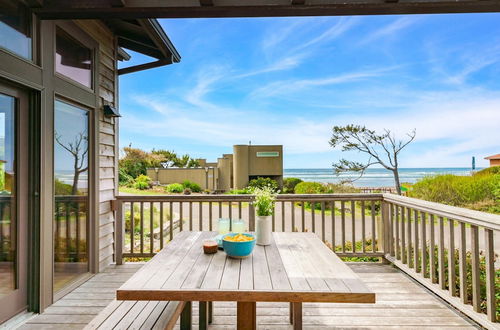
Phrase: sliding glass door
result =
(71, 186)
(13, 195)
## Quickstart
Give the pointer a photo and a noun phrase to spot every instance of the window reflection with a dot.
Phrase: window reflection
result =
(71, 150)
(8, 246)
(73, 59)
(15, 28)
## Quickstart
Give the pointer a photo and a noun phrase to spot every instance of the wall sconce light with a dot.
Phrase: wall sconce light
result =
(110, 111)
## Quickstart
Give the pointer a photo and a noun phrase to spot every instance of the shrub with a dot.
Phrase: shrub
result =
(124, 179)
(310, 188)
(174, 188)
(62, 189)
(239, 192)
(142, 182)
(194, 187)
(289, 184)
(187, 191)
(337, 188)
(262, 182)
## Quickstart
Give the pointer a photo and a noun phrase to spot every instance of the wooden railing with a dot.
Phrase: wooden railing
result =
(70, 228)
(433, 243)
(7, 230)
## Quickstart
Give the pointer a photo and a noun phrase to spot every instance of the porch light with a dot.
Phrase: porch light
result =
(110, 111)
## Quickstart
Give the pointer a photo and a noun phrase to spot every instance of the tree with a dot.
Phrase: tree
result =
(78, 149)
(381, 149)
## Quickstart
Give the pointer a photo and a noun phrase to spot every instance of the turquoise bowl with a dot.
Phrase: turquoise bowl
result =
(238, 249)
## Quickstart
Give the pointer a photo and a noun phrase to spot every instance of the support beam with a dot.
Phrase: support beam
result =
(244, 8)
(142, 67)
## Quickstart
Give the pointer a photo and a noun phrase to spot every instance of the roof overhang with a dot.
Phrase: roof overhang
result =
(144, 36)
(134, 9)
(493, 157)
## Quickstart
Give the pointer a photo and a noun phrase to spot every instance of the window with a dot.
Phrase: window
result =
(15, 28)
(73, 59)
(71, 186)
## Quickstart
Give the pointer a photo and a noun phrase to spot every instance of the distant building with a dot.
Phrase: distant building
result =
(494, 160)
(231, 171)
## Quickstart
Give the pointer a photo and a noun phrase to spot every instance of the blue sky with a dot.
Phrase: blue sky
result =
(289, 80)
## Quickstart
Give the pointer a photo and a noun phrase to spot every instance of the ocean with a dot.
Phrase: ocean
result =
(373, 177)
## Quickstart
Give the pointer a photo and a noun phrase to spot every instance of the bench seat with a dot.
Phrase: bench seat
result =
(138, 315)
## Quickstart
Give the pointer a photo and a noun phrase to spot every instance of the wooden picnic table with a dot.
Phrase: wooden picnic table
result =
(295, 268)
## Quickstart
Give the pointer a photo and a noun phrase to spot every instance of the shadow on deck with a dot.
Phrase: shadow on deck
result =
(401, 303)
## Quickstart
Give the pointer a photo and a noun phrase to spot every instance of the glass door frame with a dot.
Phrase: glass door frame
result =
(18, 299)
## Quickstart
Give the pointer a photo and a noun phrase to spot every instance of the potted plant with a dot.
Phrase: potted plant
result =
(264, 208)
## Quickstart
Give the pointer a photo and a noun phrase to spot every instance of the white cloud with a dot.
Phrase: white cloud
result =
(390, 30)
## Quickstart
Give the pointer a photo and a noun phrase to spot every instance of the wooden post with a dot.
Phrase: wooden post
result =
(383, 226)
(246, 315)
(490, 275)
(119, 231)
(297, 316)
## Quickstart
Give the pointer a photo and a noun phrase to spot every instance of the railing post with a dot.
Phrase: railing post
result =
(383, 227)
(251, 215)
(119, 230)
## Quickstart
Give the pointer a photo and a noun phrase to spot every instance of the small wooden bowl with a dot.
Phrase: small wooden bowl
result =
(210, 247)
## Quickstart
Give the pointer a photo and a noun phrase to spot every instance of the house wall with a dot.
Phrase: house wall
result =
(494, 162)
(107, 137)
(247, 163)
(179, 175)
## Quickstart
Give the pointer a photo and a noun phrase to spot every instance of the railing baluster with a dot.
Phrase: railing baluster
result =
(432, 254)
(181, 220)
(342, 225)
(190, 216)
(273, 218)
(363, 229)
(292, 210)
(231, 215)
(476, 299)
(451, 258)
(151, 228)
(303, 212)
(132, 227)
(396, 228)
(462, 263)
(416, 263)
(77, 226)
(68, 229)
(210, 216)
(353, 225)
(403, 237)
(410, 246)
(220, 209)
(392, 248)
(374, 237)
(332, 204)
(200, 216)
(490, 275)
(161, 224)
(171, 221)
(142, 227)
(239, 210)
(442, 280)
(283, 216)
(313, 217)
(323, 234)
(423, 256)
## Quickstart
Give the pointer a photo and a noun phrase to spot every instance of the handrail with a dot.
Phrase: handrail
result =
(483, 219)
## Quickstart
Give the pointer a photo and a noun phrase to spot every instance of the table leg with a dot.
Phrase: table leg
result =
(210, 311)
(203, 312)
(291, 313)
(186, 317)
(246, 315)
(297, 315)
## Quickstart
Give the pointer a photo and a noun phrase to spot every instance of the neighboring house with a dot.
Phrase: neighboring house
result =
(59, 147)
(231, 171)
(494, 160)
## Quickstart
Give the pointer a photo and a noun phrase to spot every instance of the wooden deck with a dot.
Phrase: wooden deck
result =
(401, 303)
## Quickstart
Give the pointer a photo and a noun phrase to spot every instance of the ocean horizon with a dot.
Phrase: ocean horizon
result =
(373, 177)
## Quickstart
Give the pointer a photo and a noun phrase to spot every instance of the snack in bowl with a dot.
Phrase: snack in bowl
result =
(238, 245)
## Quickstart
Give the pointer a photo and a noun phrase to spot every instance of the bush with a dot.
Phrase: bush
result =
(337, 188)
(194, 187)
(174, 188)
(289, 185)
(262, 182)
(310, 188)
(239, 192)
(62, 189)
(187, 191)
(480, 191)
(142, 182)
(124, 179)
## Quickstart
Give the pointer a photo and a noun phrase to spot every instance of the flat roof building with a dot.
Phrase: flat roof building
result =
(231, 171)
(494, 160)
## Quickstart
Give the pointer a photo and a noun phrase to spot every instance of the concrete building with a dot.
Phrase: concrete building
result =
(231, 171)
(494, 160)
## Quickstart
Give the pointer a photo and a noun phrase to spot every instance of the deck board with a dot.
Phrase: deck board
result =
(401, 303)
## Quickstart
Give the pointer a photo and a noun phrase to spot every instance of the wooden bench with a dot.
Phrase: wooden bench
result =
(138, 315)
